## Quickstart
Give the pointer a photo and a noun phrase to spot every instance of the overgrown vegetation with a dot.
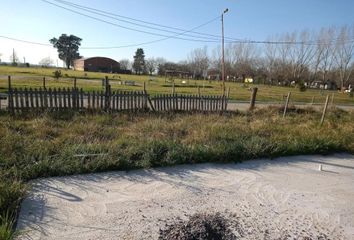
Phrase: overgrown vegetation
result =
(55, 144)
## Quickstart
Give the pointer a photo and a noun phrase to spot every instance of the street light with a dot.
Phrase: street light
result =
(223, 54)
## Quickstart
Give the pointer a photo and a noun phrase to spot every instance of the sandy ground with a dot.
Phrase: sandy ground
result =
(287, 198)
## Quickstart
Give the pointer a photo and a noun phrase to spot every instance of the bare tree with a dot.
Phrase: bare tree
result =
(271, 57)
(199, 61)
(46, 62)
(125, 64)
(159, 63)
(151, 65)
(301, 54)
(283, 62)
(215, 60)
(324, 57)
(243, 58)
(344, 50)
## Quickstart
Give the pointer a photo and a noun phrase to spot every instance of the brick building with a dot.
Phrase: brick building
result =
(97, 64)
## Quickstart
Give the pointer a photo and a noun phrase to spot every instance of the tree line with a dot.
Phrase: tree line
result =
(326, 55)
(296, 57)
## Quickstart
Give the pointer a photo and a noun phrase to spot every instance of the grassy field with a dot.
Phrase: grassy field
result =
(32, 77)
(52, 144)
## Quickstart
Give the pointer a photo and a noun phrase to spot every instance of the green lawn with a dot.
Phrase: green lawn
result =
(32, 77)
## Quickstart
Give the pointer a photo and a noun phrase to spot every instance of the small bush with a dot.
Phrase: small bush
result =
(199, 226)
(57, 74)
(301, 86)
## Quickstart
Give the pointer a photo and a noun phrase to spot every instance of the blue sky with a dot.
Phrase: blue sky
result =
(35, 20)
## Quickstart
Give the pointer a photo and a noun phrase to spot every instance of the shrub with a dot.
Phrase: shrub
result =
(199, 226)
(301, 86)
(57, 74)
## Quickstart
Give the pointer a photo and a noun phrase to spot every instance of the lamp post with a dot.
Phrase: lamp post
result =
(223, 54)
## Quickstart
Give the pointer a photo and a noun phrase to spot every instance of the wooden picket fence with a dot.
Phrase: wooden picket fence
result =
(20, 99)
(179, 102)
(24, 99)
(127, 100)
(58, 99)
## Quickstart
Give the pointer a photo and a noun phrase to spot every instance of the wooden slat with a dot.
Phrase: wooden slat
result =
(60, 99)
(64, 98)
(21, 99)
(81, 98)
(26, 99)
(30, 95)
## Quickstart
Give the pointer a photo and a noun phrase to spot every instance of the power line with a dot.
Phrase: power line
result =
(312, 42)
(159, 40)
(134, 29)
(174, 36)
(210, 36)
(25, 41)
(217, 37)
(113, 16)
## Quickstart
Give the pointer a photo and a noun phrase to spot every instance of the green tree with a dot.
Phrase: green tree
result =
(68, 48)
(139, 61)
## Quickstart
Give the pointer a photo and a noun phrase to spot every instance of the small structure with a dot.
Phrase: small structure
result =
(172, 74)
(330, 85)
(97, 64)
(248, 80)
(214, 74)
(327, 85)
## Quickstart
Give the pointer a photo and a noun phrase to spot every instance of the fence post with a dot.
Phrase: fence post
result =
(253, 98)
(332, 100)
(286, 104)
(313, 100)
(44, 83)
(75, 82)
(107, 94)
(148, 99)
(324, 110)
(10, 105)
(9, 82)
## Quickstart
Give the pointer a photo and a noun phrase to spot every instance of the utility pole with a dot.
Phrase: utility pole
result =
(223, 53)
(13, 55)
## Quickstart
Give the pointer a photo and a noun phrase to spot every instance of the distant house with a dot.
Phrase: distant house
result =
(328, 85)
(97, 64)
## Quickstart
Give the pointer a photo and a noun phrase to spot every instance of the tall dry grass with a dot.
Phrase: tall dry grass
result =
(53, 144)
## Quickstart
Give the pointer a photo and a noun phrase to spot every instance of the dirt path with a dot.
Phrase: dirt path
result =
(272, 198)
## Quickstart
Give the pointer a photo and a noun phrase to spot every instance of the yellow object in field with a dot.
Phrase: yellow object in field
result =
(248, 80)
